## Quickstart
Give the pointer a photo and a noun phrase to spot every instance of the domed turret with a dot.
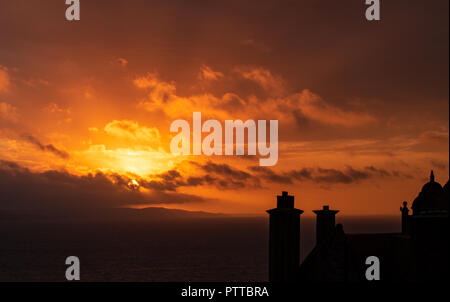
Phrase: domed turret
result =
(431, 199)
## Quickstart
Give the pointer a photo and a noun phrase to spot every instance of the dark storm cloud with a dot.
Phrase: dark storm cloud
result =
(301, 174)
(168, 181)
(172, 180)
(223, 169)
(224, 176)
(381, 172)
(268, 175)
(65, 192)
(62, 194)
(219, 175)
(348, 175)
(47, 148)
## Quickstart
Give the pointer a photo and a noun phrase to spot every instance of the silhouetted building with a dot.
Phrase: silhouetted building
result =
(284, 239)
(419, 252)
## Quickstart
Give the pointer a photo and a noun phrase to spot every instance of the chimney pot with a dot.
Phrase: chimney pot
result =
(325, 224)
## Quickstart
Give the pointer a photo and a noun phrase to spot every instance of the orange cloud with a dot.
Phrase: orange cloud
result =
(162, 96)
(206, 73)
(55, 108)
(159, 90)
(122, 62)
(263, 78)
(35, 82)
(440, 137)
(46, 148)
(8, 112)
(315, 108)
(4, 79)
(133, 131)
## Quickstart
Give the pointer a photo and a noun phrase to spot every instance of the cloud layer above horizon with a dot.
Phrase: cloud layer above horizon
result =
(362, 108)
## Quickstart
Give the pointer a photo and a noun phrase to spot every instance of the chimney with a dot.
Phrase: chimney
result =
(284, 239)
(325, 224)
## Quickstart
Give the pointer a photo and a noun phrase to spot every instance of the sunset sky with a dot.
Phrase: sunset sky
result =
(86, 106)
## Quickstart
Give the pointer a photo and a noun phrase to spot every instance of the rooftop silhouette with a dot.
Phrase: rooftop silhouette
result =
(418, 253)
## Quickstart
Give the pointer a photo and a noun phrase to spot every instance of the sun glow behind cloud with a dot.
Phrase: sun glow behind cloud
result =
(141, 161)
(133, 142)
(353, 118)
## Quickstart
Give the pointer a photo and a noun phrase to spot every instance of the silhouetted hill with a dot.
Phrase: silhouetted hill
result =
(118, 214)
(164, 213)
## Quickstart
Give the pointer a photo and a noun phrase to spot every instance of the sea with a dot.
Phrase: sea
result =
(220, 249)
